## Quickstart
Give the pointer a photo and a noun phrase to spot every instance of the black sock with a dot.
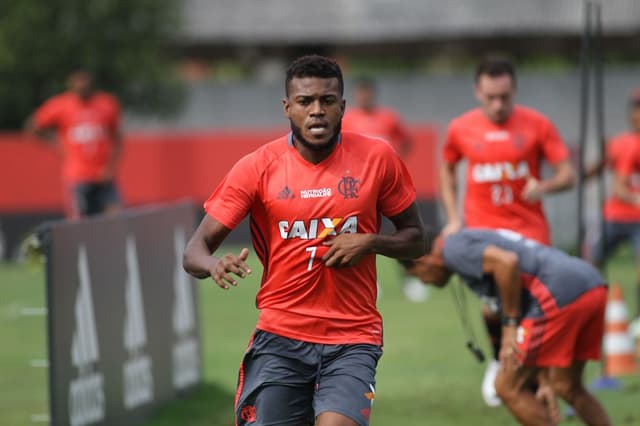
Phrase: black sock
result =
(494, 329)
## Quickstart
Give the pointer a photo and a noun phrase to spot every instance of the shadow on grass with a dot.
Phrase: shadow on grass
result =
(209, 404)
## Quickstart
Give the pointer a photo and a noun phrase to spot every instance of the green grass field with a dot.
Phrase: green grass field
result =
(426, 376)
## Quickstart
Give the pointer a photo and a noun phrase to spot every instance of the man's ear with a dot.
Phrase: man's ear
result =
(476, 92)
(285, 107)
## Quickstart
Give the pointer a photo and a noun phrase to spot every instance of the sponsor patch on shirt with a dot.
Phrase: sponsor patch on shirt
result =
(496, 136)
(315, 193)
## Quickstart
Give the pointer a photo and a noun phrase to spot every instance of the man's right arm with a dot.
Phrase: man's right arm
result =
(622, 170)
(198, 259)
(448, 194)
(592, 170)
(44, 121)
(609, 161)
(622, 191)
(43, 134)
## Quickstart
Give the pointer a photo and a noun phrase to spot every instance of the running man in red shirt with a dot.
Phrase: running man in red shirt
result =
(622, 209)
(85, 124)
(504, 145)
(551, 307)
(370, 118)
(315, 199)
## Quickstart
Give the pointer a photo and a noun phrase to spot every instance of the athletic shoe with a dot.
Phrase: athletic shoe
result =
(488, 384)
(415, 290)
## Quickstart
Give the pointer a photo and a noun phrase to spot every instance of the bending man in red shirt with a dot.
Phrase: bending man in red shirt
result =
(504, 145)
(85, 124)
(315, 198)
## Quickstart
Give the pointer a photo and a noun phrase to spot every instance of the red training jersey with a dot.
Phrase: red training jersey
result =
(85, 129)
(381, 123)
(623, 157)
(295, 206)
(500, 159)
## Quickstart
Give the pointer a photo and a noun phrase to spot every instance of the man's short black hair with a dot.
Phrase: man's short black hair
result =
(79, 69)
(495, 66)
(314, 66)
(430, 236)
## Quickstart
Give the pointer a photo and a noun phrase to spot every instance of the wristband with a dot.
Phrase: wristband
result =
(509, 321)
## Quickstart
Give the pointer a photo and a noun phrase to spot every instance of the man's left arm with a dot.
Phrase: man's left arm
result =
(117, 142)
(563, 178)
(116, 153)
(502, 265)
(556, 153)
(407, 242)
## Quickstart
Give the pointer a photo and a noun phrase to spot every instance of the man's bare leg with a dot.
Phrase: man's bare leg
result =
(512, 387)
(567, 383)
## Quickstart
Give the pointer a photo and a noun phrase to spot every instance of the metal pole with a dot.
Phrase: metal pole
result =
(600, 122)
(585, 62)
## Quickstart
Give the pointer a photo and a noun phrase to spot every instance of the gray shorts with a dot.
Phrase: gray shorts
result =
(615, 234)
(289, 382)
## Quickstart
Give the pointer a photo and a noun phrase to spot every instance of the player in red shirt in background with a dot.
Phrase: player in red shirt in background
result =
(622, 209)
(504, 145)
(315, 199)
(85, 125)
(370, 118)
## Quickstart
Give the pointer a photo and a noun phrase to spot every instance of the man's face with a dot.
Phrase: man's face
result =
(365, 97)
(430, 268)
(81, 83)
(495, 95)
(634, 117)
(314, 107)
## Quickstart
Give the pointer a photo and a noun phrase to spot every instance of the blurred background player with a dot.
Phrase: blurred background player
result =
(504, 145)
(551, 308)
(622, 209)
(370, 118)
(315, 198)
(85, 126)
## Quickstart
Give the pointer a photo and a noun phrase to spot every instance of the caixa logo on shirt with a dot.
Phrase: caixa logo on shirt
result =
(317, 228)
(499, 171)
(86, 132)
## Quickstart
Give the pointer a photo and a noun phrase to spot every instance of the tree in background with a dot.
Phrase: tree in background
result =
(120, 41)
